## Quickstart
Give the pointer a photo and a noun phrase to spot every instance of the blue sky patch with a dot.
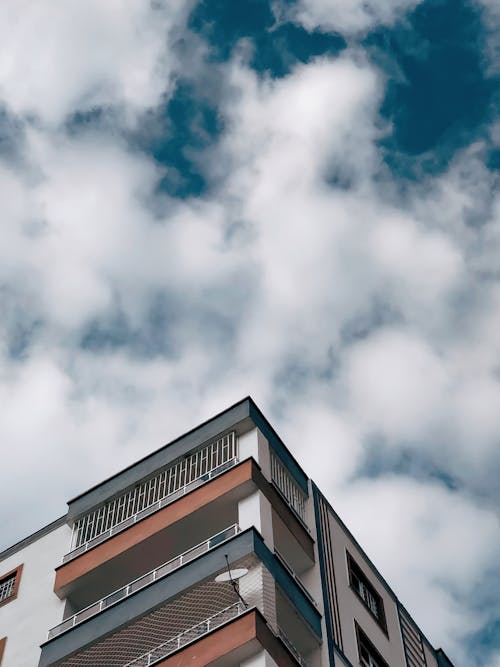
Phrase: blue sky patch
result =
(439, 95)
(276, 47)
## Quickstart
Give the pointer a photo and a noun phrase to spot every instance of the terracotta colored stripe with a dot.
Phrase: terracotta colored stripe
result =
(161, 519)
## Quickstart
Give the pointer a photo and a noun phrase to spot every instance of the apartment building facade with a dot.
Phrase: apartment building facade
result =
(216, 549)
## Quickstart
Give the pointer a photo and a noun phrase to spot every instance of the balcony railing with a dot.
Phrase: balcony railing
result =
(296, 578)
(199, 630)
(289, 488)
(188, 636)
(153, 494)
(146, 579)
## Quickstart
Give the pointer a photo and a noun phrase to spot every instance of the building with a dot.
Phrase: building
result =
(214, 550)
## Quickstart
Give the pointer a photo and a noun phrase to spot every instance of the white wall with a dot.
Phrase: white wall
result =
(352, 608)
(248, 445)
(255, 510)
(254, 444)
(26, 620)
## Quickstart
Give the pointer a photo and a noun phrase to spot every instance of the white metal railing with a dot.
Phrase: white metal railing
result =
(369, 599)
(289, 488)
(153, 494)
(295, 577)
(189, 635)
(291, 648)
(144, 580)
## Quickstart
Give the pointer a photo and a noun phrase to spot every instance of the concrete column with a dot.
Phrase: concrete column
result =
(255, 510)
(248, 445)
(264, 456)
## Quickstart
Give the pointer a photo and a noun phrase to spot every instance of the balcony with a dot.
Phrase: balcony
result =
(170, 610)
(146, 579)
(170, 484)
(200, 630)
(153, 494)
(288, 488)
(202, 506)
(295, 577)
(190, 635)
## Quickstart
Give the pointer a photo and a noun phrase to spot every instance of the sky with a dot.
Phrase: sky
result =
(296, 200)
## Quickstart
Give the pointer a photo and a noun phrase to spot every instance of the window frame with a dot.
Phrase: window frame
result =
(354, 570)
(16, 573)
(362, 641)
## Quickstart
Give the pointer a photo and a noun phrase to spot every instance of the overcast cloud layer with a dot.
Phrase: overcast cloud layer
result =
(181, 228)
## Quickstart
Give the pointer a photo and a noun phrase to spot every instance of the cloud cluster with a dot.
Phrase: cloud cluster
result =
(67, 57)
(348, 16)
(429, 526)
(362, 319)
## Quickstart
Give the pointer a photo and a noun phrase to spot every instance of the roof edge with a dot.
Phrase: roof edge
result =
(160, 449)
(37, 535)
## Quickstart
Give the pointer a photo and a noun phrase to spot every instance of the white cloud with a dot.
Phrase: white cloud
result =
(349, 16)
(300, 278)
(421, 266)
(62, 57)
(396, 384)
(331, 436)
(490, 14)
(433, 546)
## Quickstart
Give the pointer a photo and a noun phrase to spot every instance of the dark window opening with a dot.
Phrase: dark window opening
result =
(368, 654)
(363, 588)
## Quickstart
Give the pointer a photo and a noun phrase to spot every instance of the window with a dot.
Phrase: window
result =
(9, 585)
(368, 654)
(363, 588)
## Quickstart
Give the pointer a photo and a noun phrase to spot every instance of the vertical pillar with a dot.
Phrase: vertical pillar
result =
(248, 445)
(255, 510)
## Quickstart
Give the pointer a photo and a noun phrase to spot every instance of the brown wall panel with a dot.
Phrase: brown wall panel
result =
(3, 641)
